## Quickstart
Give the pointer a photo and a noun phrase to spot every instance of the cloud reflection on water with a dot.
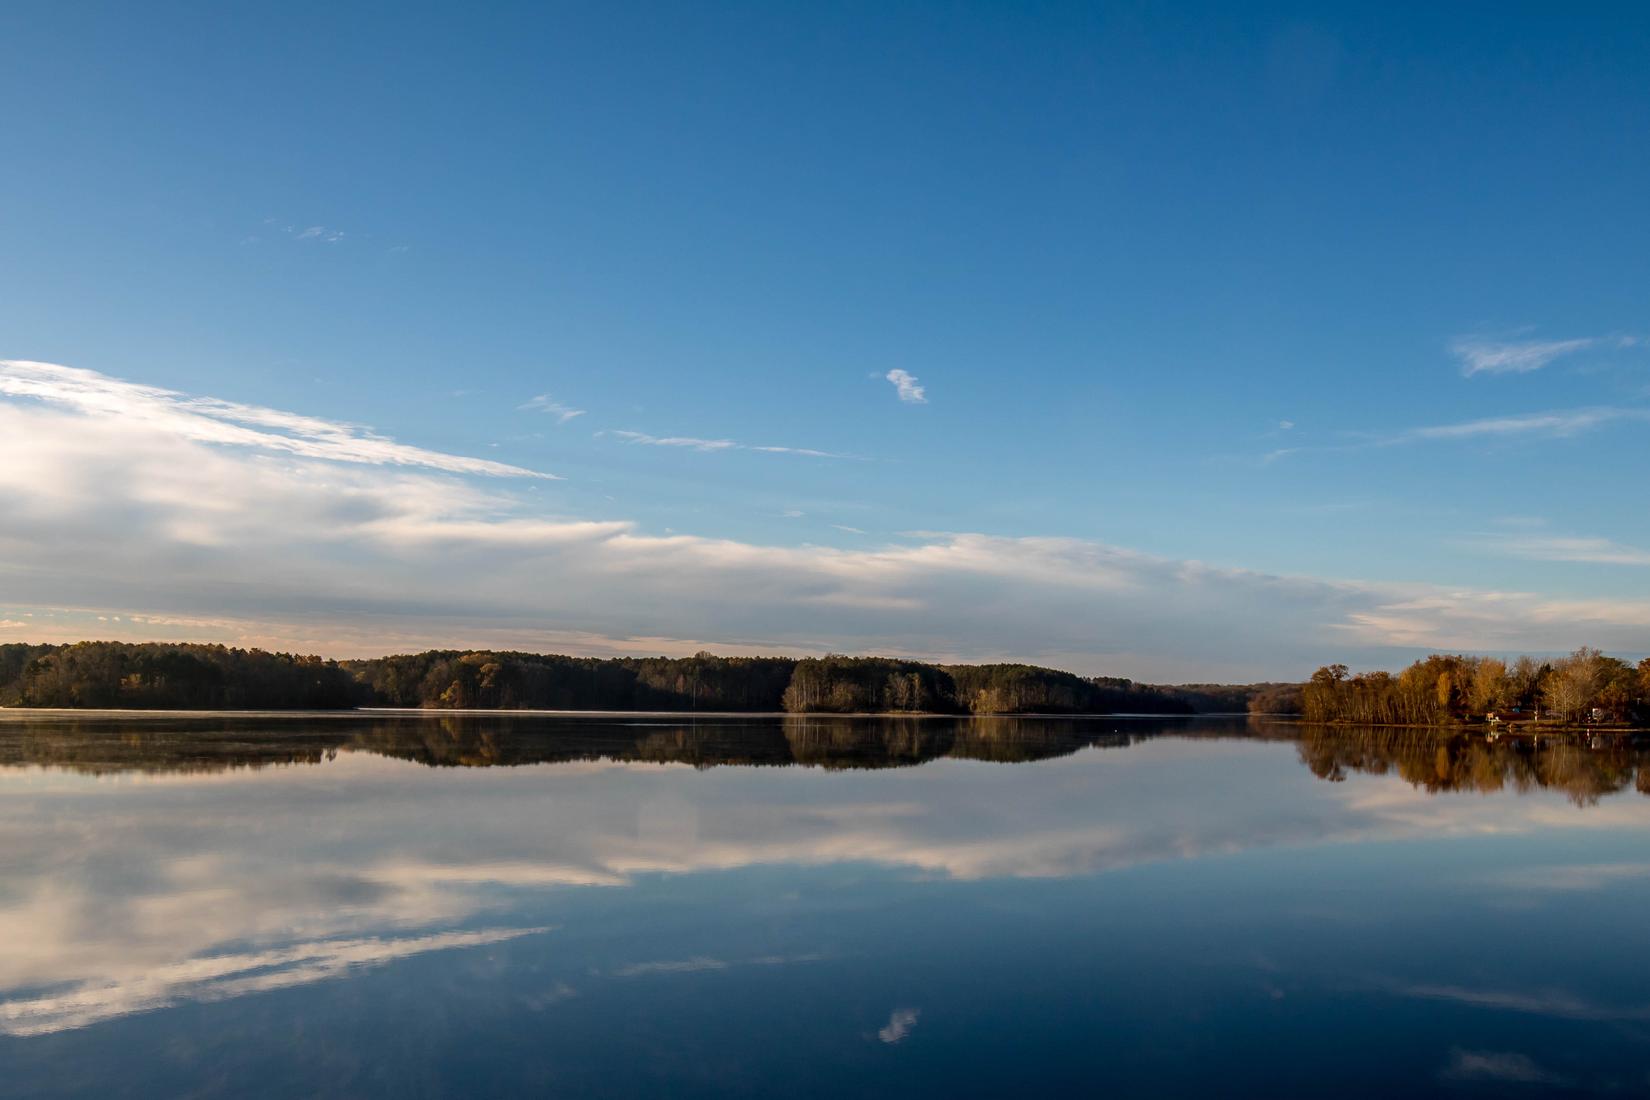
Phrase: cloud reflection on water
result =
(118, 898)
(220, 977)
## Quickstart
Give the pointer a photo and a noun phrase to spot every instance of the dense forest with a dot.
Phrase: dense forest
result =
(1440, 690)
(1586, 687)
(161, 676)
(165, 675)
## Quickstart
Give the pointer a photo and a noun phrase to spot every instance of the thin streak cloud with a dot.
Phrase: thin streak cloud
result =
(1560, 548)
(1558, 424)
(1480, 356)
(548, 405)
(708, 446)
(1553, 424)
(316, 233)
(227, 423)
(1556, 1003)
(1497, 1067)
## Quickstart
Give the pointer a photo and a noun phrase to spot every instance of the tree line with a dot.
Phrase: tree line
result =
(1449, 689)
(834, 684)
(165, 676)
(158, 675)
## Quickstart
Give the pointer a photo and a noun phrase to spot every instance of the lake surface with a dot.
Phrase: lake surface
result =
(381, 905)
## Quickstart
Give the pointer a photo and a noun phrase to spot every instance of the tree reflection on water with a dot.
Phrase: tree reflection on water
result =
(1434, 761)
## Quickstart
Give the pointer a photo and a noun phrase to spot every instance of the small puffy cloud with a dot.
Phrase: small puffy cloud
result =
(906, 385)
(549, 406)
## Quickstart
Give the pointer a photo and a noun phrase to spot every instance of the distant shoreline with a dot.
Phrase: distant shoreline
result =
(479, 712)
(190, 676)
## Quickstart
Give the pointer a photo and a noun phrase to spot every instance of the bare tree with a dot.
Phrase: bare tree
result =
(1574, 683)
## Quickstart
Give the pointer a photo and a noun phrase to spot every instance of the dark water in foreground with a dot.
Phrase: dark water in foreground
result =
(422, 906)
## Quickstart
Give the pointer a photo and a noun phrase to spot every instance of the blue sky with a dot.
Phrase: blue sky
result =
(1320, 295)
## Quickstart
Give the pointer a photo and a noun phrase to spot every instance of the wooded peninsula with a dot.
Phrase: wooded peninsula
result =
(1585, 687)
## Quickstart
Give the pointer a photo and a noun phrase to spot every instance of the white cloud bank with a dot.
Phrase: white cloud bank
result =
(196, 518)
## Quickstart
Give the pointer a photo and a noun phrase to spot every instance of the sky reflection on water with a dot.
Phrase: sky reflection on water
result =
(308, 906)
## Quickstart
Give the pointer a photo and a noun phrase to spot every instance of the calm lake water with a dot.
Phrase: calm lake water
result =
(374, 905)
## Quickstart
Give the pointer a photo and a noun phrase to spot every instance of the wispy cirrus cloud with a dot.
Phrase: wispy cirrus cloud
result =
(1556, 1003)
(1578, 877)
(315, 233)
(700, 963)
(671, 966)
(1550, 424)
(1565, 548)
(805, 452)
(1479, 355)
(695, 443)
(227, 423)
(1558, 423)
(907, 387)
(548, 405)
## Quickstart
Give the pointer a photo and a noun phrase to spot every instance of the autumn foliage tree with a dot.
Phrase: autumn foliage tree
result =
(1446, 689)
